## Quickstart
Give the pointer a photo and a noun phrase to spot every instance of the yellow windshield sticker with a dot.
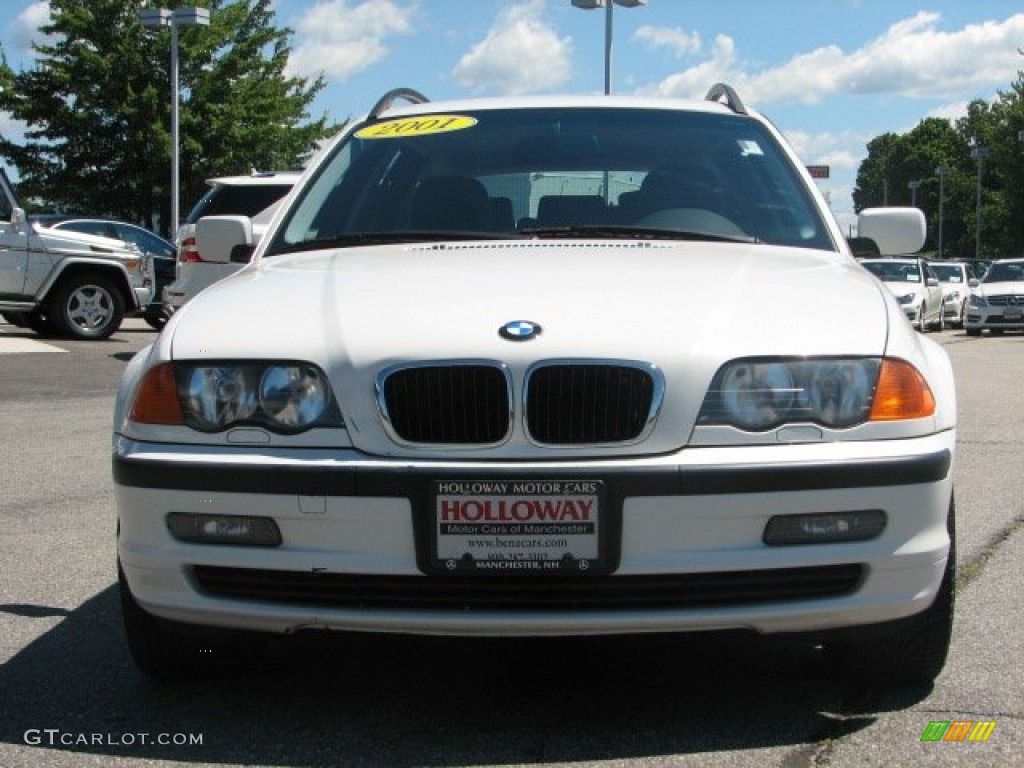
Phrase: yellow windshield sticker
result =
(416, 126)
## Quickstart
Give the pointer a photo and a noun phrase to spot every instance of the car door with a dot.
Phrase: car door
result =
(933, 291)
(13, 242)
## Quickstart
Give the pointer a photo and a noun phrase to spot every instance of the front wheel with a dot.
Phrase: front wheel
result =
(922, 319)
(168, 650)
(911, 650)
(87, 307)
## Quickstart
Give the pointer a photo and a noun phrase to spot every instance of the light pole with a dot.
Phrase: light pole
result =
(941, 171)
(979, 153)
(589, 5)
(185, 16)
(912, 186)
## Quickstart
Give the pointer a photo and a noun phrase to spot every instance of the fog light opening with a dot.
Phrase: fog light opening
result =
(240, 530)
(824, 528)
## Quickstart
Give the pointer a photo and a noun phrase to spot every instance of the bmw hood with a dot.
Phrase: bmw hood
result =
(685, 308)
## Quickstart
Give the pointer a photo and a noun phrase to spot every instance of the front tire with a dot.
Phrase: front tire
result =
(906, 651)
(170, 650)
(87, 307)
(922, 319)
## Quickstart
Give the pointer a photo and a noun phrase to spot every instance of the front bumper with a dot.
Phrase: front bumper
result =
(683, 535)
(993, 318)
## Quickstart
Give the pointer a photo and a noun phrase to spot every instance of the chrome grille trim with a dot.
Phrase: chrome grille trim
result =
(1003, 300)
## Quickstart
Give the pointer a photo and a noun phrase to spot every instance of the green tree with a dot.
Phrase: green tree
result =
(97, 106)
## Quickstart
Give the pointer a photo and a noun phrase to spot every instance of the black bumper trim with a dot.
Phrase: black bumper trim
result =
(413, 481)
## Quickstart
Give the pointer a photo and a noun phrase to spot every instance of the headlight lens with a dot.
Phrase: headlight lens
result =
(281, 396)
(213, 397)
(759, 395)
(907, 298)
(977, 301)
(293, 396)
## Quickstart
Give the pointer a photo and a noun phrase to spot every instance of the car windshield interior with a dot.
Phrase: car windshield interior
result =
(556, 172)
(895, 272)
(1010, 272)
(949, 273)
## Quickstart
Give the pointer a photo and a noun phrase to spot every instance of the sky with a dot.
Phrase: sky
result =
(831, 74)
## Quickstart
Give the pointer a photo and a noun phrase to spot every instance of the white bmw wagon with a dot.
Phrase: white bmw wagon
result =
(483, 398)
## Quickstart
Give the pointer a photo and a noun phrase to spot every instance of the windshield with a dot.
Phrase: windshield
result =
(949, 273)
(895, 272)
(1008, 272)
(550, 172)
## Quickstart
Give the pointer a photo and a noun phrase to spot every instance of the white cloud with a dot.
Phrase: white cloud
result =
(913, 58)
(23, 30)
(520, 54)
(339, 40)
(676, 40)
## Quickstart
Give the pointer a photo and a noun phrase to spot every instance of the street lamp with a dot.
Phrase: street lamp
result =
(912, 186)
(979, 153)
(589, 5)
(185, 16)
(941, 171)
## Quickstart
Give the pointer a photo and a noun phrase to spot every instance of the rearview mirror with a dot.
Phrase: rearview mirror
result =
(896, 231)
(217, 237)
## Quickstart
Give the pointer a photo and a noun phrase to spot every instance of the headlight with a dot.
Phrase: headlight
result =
(977, 301)
(293, 396)
(758, 395)
(952, 298)
(907, 298)
(212, 398)
(281, 396)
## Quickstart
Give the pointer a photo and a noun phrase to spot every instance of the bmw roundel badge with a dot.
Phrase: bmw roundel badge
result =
(519, 330)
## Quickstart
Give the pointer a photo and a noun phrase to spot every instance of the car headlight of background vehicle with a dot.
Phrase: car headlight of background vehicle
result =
(977, 301)
(758, 395)
(906, 298)
(284, 396)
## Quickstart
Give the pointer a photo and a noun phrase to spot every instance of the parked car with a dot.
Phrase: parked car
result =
(997, 301)
(479, 407)
(256, 196)
(63, 282)
(916, 287)
(955, 278)
(161, 251)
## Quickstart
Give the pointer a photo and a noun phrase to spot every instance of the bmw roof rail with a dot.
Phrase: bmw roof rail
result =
(389, 98)
(732, 99)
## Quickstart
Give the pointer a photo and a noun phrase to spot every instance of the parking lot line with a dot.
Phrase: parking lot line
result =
(12, 345)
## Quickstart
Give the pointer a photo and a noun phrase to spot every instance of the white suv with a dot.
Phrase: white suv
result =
(256, 196)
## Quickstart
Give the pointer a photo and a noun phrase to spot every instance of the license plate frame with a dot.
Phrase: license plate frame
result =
(519, 527)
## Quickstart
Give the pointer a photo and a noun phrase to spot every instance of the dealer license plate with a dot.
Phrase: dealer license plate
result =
(1013, 313)
(517, 526)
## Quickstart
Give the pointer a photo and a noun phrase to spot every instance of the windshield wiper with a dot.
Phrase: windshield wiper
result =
(633, 233)
(385, 238)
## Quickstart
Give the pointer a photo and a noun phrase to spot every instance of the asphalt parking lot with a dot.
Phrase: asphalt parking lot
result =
(71, 696)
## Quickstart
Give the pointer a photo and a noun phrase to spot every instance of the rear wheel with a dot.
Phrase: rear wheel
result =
(87, 307)
(911, 650)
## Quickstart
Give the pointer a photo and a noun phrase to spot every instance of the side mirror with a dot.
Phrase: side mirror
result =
(896, 231)
(18, 218)
(931, 281)
(218, 237)
(973, 282)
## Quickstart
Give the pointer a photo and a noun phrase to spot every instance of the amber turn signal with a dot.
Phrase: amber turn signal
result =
(156, 401)
(902, 393)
